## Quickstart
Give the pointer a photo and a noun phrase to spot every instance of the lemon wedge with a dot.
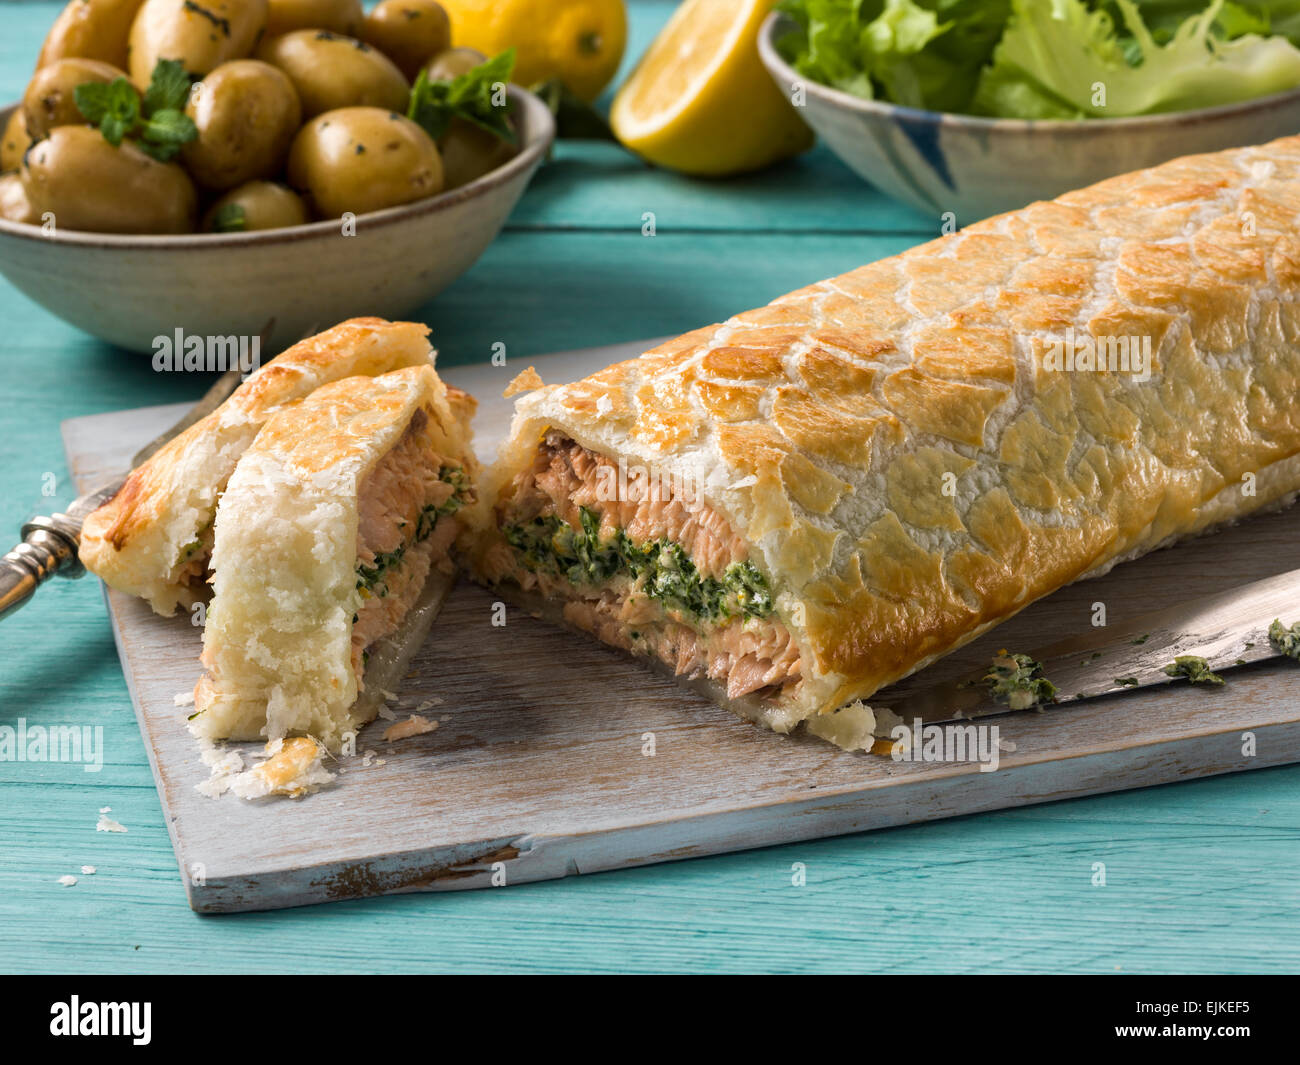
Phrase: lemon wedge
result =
(700, 100)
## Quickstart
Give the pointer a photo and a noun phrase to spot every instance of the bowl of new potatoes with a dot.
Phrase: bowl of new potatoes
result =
(256, 167)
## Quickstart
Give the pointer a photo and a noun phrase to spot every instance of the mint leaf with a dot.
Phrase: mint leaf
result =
(169, 87)
(113, 106)
(433, 104)
(229, 218)
(164, 132)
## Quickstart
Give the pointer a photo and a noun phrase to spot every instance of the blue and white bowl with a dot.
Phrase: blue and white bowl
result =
(975, 167)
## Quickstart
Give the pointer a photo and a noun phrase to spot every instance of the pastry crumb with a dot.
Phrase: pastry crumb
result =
(87, 870)
(293, 768)
(415, 725)
(107, 824)
(523, 382)
(66, 881)
(183, 698)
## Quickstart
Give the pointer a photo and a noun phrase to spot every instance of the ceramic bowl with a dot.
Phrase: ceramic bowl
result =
(130, 290)
(976, 167)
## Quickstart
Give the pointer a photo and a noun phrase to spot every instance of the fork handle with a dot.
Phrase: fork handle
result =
(49, 546)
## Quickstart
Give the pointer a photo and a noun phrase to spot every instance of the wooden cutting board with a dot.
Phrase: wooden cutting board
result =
(556, 756)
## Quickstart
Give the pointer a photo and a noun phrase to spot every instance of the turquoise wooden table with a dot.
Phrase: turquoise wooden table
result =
(1198, 877)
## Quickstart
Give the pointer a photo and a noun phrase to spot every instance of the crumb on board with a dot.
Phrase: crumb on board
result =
(525, 381)
(292, 768)
(386, 713)
(66, 881)
(415, 725)
(87, 870)
(106, 823)
(429, 704)
(183, 698)
(850, 728)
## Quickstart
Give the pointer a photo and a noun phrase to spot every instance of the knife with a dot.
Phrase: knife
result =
(1227, 629)
(50, 544)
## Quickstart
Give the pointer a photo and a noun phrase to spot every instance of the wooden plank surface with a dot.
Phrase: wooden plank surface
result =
(1201, 876)
(538, 769)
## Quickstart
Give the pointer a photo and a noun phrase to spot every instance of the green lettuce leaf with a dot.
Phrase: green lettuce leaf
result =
(1054, 56)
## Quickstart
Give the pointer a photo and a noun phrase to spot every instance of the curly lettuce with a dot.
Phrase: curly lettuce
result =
(1064, 60)
(1048, 58)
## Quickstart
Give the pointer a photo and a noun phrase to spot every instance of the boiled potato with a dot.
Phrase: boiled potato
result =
(255, 205)
(14, 142)
(91, 29)
(360, 159)
(337, 16)
(468, 152)
(49, 100)
(330, 71)
(14, 205)
(409, 32)
(246, 112)
(202, 34)
(451, 63)
(86, 183)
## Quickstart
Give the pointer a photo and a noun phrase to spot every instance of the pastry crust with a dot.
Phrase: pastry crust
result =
(278, 638)
(905, 465)
(135, 541)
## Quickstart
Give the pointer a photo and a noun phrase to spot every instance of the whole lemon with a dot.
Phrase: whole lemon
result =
(578, 41)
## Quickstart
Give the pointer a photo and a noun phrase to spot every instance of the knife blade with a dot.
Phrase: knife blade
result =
(50, 543)
(1227, 629)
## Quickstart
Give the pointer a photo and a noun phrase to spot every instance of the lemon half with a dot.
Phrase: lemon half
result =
(701, 101)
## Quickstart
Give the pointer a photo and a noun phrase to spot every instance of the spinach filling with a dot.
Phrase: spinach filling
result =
(371, 578)
(661, 568)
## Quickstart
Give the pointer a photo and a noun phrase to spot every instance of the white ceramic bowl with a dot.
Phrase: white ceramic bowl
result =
(128, 290)
(976, 167)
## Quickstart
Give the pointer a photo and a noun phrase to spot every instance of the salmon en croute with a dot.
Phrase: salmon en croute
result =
(814, 499)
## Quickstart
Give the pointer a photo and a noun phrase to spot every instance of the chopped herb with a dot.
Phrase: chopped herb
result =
(229, 218)
(1142, 639)
(660, 569)
(434, 104)
(1240, 662)
(1194, 668)
(1017, 681)
(1287, 641)
(370, 578)
(156, 122)
(1127, 682)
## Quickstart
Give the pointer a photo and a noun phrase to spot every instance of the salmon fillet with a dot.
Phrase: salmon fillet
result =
(405, 528)
(750, 655)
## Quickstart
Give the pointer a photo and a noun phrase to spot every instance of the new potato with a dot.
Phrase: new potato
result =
(86, 183)
(469, 152)
(337, 16)
(49, 100)
(202, 34)
(330, 71)
(409, 32)
(451, 63)
(263, 205)
(14, 141)
(360, 159)
(91, 29)
(14, 205)
(247, 113)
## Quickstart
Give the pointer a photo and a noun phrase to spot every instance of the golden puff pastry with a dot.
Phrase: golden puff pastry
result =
(153, 538)
(330, 556)
(816, 498)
